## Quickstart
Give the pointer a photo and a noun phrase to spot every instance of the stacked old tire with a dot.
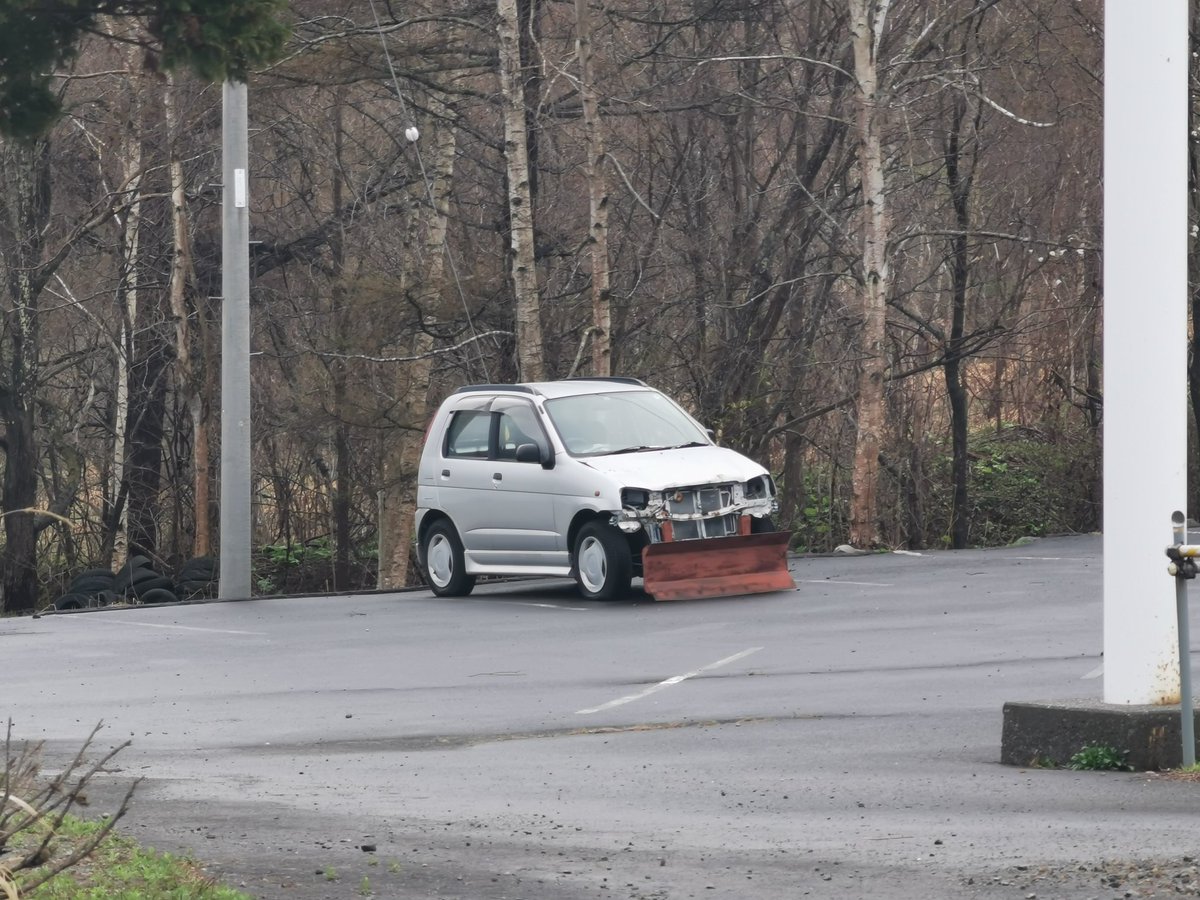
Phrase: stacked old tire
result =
(196, 579)
(91, 587)
(139, 582)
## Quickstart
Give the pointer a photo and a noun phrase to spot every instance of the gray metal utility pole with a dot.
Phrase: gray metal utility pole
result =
(235, 348)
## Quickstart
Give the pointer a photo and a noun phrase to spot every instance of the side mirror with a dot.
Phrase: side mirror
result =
(531, 453)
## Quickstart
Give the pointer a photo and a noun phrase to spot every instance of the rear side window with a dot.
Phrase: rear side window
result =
(467, 435)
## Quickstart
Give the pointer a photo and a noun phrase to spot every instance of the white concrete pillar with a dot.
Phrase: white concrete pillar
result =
(1145, 340)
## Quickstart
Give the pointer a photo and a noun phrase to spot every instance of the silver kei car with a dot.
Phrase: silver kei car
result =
(601, 480)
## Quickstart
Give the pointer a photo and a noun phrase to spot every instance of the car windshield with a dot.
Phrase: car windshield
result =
(622, 422)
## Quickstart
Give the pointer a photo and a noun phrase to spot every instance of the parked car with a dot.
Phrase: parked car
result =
(602, 480)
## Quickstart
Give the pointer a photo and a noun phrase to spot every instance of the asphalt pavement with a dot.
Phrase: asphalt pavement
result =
(841, 740)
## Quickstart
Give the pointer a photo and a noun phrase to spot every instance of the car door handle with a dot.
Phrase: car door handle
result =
(497, 476)
(445, 473)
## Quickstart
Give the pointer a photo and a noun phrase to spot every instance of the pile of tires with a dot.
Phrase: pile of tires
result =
(91, 587)
(139, 582)
(197, 579)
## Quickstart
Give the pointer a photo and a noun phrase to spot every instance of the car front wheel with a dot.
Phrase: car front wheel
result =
(442, 552)
(603, 565)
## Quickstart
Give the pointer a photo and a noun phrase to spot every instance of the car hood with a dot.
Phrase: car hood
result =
(657, 470)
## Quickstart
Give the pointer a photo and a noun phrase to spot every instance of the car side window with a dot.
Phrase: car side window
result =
(518, 425)
(467, 436)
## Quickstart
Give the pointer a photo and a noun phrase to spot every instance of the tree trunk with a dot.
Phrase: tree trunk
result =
(188, 380)
(25, 208)
(144, 431)
(20, 498)
(792, 498)
(959, 184)
(341, 506)
(865, 30)
(597, 197)
(339, 368)
(149, 357)
(117, 538)
(412, 381)
(530, 359)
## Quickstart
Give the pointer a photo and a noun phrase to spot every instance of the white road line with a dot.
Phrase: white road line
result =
(675, 679)
(1095, 673)
(831, 581)
(547, 605)
(98, 620)
(1055, 558)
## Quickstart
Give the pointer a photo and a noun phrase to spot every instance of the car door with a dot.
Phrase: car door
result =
(525, 533)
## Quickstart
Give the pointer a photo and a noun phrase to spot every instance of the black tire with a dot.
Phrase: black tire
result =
(763, 525)
(202, 568)
(126, 576)
(71, 601)
(190, 589)
(138, 562)
(159, 595)
(88, 573)
(91, 584)
(155, 583)
(603, 563)
(139, 576)
(193, 584)
(442, 559)
(196, 577)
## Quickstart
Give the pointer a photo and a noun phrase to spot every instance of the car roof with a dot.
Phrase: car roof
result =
(570, 387)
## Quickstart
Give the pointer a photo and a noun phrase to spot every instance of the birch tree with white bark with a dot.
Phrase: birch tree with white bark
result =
(530, 356)
(868, 20)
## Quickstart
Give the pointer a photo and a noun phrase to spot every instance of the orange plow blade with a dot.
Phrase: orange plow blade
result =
(717, 567)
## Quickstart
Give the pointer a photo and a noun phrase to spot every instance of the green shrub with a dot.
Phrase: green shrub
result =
(1022, 484)
(307, 567)
(1101, 758)
(819, 522)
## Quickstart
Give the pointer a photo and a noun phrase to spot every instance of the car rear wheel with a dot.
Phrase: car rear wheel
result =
(442, 553)
(603, 564)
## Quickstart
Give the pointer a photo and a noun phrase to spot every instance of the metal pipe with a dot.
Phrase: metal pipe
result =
(1187, 715)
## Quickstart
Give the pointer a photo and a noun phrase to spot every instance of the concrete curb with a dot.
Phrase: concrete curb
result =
(1049, 734)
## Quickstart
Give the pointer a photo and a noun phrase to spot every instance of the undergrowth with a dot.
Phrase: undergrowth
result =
(49, 852)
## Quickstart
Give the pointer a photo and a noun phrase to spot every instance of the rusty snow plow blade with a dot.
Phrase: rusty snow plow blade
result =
(717, 567)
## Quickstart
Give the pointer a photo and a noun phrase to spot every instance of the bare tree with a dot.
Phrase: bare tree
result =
(413, 375)
(530, 358)
(597, 196)
(190, 329)
(24, 214)
(868, 19)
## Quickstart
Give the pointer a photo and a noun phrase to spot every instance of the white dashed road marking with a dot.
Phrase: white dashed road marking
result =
(854, 583)
(675, 679)
(548, 606)
(97, 619)
(1056, 558)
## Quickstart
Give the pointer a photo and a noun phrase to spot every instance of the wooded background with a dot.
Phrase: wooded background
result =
(859, 240)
